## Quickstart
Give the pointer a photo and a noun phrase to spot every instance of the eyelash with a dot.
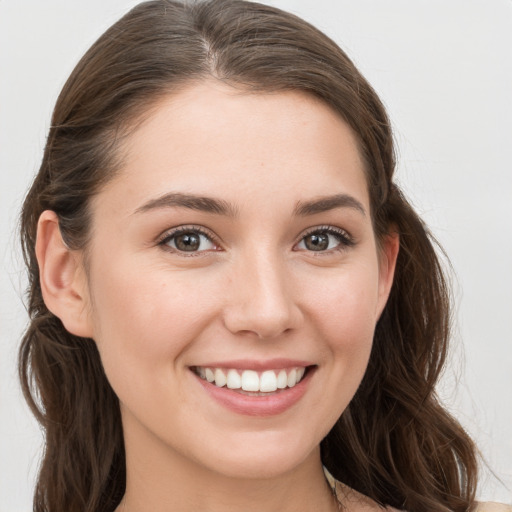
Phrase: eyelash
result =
(164, 240)
(345, 239)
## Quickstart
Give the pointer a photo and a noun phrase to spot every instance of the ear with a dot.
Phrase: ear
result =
(62, 277)
(388, 254)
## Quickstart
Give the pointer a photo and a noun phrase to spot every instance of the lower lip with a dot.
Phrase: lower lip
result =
(271, 405)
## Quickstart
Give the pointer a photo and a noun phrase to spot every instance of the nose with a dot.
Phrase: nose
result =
(261, 298)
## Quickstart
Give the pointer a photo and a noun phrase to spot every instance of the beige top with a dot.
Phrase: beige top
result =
(493, 507)
(366, 504)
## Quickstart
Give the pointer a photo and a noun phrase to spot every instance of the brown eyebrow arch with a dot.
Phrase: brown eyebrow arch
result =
(324, 204)
(191, 201)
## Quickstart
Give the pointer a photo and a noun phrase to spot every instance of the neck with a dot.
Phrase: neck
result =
(161, 480)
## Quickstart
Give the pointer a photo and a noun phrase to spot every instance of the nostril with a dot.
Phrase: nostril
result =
(261, 304)
(263, 327)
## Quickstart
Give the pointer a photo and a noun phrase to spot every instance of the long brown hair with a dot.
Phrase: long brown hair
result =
(394, 443)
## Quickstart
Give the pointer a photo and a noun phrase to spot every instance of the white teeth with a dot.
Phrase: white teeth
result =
(210, 376)
(268, 381)
(220, 378)
(250, 380)
(234, 381)
(292, 378)
(282, 379)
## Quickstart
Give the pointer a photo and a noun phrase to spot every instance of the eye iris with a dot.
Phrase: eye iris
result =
(187, 242)
(317, 242)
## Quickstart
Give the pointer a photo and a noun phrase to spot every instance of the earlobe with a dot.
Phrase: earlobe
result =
(62, 279)
(387, 264)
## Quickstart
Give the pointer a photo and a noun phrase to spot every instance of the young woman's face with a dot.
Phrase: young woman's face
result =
(235, 244)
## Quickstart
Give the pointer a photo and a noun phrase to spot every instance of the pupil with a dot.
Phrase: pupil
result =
(317, 242)
(187, 242)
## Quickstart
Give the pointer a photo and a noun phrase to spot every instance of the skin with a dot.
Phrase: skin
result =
(253, 291)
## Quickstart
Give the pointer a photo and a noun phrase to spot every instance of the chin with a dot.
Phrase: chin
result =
(262, 455)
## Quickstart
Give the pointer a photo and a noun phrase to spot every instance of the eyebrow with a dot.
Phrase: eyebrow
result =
(221, 207)
(327, 203)
(192, 202)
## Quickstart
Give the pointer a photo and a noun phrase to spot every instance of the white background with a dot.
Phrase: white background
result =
(444, 70)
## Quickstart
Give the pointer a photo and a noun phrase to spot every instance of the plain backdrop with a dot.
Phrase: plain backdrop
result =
(444, 70)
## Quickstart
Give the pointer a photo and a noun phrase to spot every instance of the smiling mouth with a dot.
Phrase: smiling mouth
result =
(251, 382)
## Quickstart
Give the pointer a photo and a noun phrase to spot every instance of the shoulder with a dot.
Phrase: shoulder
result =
(488, 506)
(368, 505)
(493, 507)
(480, 507)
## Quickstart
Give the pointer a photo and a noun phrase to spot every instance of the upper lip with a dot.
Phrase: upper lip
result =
(257, 365)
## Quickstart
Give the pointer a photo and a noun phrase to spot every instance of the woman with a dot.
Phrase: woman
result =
(228, 293)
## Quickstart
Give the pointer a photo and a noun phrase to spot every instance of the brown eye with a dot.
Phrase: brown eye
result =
(326, 239)
(188, 241)
(317, 242)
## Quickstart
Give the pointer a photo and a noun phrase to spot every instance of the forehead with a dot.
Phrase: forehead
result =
(213, 139)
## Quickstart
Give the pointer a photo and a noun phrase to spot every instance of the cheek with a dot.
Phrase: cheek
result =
(342, 311)
(145, 318)
(345, 307)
